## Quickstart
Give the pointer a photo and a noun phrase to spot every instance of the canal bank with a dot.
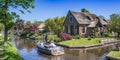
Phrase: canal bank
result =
(113, 55)
(28, 51)
(86, 45)
(8, 51)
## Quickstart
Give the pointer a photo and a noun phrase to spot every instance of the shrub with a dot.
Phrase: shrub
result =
(89, 39)
(54, 37)
(27, 35)
(57, 39)
(35, 35)
(51, 37)
(105, 35)
(76, 37)
(65, 36)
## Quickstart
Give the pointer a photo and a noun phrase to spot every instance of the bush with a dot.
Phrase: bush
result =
(89, 39)
(64, 36)
(27, 35)
(105, 35)
(35, 35)
(54, 37)
(51, 37)
(57, 39)
(76, 37)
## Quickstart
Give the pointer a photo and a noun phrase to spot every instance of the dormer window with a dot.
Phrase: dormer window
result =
(97, 18)
(87, 18)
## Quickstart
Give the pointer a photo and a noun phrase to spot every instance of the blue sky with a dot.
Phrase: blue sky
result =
(45, 9)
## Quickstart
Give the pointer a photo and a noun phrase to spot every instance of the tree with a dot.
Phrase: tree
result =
(37, 22)
(85, 10)
(7, 16)
(1, 26)
(19, 24)
(114, 23)
(27, 24)
(55, 25)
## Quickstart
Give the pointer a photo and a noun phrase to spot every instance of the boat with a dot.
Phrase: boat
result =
(43, 47)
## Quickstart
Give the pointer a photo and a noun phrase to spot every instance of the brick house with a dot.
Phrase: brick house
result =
(81, 23)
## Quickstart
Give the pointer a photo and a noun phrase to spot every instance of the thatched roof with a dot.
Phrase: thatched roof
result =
(40, 27)
(80, 17)
(93, 24)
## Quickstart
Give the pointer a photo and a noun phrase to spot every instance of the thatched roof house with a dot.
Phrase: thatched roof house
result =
(82, 23)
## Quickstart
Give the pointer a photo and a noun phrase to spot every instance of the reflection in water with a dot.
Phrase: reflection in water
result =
(27, 49)
(92, 54)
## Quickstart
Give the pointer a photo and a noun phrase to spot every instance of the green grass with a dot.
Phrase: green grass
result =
(114, 54)
(81, 42)
(9, 53)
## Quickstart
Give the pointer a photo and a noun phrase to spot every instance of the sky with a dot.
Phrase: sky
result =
(45, 9)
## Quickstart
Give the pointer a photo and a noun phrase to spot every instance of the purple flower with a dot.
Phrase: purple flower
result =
(65, 36)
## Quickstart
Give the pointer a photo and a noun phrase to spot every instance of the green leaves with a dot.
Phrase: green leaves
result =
(10, 25)
(29, 11)
(7, 16)
(114, 23)
(85, 10)
(22, 11)
(55, 25)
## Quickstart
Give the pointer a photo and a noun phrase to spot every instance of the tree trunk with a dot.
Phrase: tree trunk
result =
(5, 36)
(5, 25)
(118, 34)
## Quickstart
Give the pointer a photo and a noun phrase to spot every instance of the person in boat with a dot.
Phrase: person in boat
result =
(50, 44)
(46, 36)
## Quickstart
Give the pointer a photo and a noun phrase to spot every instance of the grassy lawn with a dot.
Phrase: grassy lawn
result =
(81, 42)
(9, 52)
(114, 54)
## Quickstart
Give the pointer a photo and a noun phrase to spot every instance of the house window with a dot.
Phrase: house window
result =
(87, 18)
(68, 29)
(97, 18)
(83, 31)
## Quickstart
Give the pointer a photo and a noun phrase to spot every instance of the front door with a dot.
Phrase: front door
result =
(71, 30)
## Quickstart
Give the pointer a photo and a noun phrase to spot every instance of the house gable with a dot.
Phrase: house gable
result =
(70, 19)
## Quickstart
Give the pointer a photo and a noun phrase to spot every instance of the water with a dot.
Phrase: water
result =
(28, 51)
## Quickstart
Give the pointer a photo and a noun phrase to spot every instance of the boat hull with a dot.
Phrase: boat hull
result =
(49, 52)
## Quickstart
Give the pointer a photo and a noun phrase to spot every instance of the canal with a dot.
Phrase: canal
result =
(28, 51)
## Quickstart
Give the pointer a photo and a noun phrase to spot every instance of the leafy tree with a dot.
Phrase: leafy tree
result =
(114, 23)
(7, 16)
(1, 26)
(27, 24)
(19, 24)
(33, 28)
(37, 22)
(85, 10)
(55, 25)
